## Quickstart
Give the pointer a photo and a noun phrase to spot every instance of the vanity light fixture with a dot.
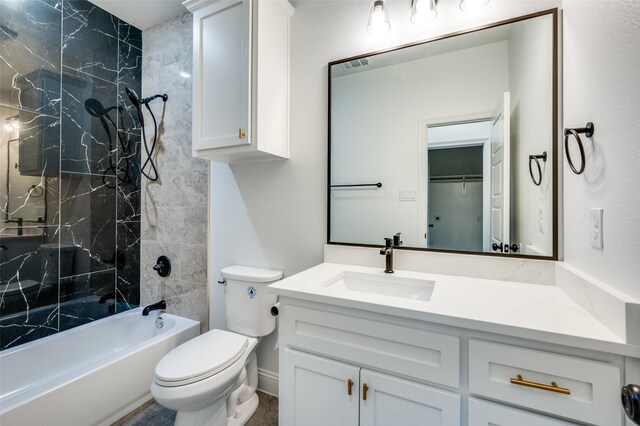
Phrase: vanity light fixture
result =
(378, 18)
(423, 11)
(472, 5)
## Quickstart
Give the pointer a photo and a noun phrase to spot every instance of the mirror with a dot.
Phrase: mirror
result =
(24, 190)
(450, 142)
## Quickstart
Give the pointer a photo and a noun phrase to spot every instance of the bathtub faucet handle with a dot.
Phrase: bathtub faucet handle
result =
(163, 266)
(158, 306)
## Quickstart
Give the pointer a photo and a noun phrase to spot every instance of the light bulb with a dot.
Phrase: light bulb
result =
(12, 124)
(423, 11)
(378, 19)
(472, 5)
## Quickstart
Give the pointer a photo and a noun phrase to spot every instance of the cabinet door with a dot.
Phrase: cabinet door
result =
(394, 401)
(314, 391)
(483, 413)
(222, 64)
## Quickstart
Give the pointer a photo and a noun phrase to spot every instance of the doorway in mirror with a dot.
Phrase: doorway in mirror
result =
(457, 192)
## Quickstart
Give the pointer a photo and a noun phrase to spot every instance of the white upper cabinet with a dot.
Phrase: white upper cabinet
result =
(240, 79)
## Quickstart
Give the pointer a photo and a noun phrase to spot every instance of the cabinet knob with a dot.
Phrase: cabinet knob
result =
(241, 133)
(365, 388)
(349, 387)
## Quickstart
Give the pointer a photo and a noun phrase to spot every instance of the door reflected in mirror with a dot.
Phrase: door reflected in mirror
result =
(447, 127)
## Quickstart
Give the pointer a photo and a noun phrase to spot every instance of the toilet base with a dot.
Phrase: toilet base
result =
(211, 415)
(244, 411)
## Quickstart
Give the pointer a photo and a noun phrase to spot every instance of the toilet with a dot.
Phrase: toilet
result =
(211, 380)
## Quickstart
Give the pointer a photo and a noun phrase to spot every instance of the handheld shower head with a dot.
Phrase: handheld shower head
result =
(95, 107)
(133, 97)
(137, 102)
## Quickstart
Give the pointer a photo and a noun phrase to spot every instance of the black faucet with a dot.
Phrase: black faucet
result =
(387, 251)
(161, 305)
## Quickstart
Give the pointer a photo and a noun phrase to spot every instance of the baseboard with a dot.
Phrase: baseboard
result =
(268, 382)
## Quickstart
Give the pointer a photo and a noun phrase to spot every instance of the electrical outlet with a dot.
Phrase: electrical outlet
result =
(595, 230)
(407, 195)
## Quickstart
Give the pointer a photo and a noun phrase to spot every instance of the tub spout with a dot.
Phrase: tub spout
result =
(161, 305)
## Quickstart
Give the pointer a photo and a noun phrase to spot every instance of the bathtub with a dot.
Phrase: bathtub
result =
(89, 375)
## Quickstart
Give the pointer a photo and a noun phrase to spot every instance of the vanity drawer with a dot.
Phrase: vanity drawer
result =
(483, 413)
(591, 388)
(411, 352)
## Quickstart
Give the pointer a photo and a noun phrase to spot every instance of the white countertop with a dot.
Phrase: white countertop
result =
(532, 311)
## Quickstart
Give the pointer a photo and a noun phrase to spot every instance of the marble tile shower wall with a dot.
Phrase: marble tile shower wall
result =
(174, 209)
(69, 161)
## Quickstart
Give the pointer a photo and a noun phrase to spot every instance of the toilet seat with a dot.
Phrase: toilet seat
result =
(200, 358)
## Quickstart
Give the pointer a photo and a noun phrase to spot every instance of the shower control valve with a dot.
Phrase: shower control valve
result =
(163, 266)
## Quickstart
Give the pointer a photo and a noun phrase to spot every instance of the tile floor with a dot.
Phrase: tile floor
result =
(152, 414)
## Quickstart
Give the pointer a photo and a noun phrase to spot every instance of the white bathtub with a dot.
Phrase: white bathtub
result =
(90, 375)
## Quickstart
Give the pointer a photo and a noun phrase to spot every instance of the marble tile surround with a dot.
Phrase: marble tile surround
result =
(63, 69)
(174, 209)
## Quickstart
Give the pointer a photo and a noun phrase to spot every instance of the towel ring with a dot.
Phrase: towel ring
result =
(537, 158)
(588, 132)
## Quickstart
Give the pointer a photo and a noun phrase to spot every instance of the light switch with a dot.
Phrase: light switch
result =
(596, 231)
(407, 195)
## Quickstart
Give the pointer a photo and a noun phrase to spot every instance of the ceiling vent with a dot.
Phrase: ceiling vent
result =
(356, 63)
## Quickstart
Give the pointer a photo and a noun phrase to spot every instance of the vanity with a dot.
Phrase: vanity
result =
(361, 347)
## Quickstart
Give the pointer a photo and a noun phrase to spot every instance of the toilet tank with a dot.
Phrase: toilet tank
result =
(247, 301)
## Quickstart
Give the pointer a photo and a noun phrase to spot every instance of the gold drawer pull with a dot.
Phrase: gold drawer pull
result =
(551, 388)
(240, 133)
(349, 387)
(365, 388)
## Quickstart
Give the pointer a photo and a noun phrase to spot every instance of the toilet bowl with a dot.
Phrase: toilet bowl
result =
(211, 380)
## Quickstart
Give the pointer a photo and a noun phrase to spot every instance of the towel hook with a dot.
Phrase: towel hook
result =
(537, 158)
(588, 132)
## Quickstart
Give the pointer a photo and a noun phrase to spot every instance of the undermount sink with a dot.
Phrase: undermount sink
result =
(388, 285)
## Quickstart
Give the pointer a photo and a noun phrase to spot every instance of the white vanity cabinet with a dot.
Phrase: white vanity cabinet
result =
(321, 392)
(240, 79)
(418, 372)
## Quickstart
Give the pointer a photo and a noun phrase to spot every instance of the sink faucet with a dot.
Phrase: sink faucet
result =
(387, 251)
(161, 305)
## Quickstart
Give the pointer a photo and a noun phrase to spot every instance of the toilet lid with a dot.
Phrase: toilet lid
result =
(21, 287)
(200, 358)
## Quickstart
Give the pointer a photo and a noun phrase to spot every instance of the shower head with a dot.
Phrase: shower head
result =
(95, 107)
(137, 102)
(133, 97)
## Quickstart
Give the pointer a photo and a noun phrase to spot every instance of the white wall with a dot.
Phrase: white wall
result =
(602, 84)
(376, 119)
(530, 58)
(274, 214)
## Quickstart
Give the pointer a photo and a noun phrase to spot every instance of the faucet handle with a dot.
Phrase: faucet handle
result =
(396, 240)
(388, 242)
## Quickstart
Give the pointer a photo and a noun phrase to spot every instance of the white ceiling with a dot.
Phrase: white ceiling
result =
(142, 14)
